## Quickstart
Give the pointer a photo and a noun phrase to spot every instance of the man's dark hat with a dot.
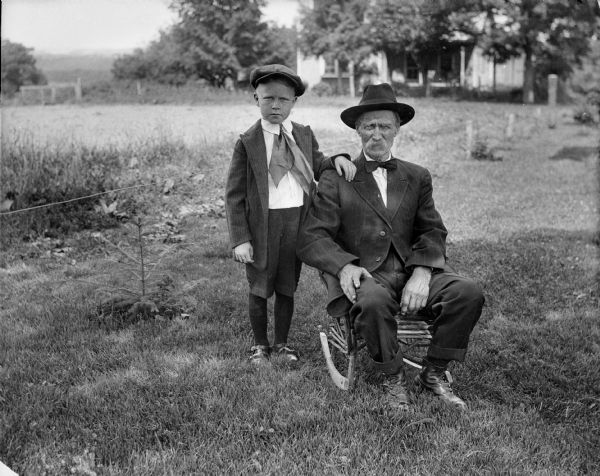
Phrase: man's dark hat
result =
(261, 74)
(377, 97)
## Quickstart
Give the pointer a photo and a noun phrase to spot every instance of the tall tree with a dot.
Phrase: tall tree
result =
(551, 35)
(335, 29)
(18, 68)
(218, 38)
(213, 40)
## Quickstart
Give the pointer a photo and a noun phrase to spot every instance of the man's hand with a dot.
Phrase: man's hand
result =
(350, 276)
(345, 166)
(416, 290)
(244, 253)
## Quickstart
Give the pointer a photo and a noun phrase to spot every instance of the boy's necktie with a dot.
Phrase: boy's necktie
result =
(287, 157)
(281, 158)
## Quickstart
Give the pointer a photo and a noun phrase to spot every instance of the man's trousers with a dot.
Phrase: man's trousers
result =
(453, 306)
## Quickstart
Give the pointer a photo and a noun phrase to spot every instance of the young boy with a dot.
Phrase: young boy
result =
(268, 190)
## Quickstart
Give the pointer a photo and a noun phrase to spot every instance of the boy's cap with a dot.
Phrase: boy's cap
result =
(261, 73)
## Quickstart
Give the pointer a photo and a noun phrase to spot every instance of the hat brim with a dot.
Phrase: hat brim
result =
(350, 115)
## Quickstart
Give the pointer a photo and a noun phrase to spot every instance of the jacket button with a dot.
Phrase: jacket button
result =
(378, 259)
(382, 233)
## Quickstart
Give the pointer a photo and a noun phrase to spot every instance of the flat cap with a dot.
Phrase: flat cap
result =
(261, 74)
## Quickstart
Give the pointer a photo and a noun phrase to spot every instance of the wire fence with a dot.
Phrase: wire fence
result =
(471, 130)
(116, 190)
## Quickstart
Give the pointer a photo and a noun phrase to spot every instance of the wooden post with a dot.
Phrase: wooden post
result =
(552, 88)
(469, 139)
(53, 94)
(510, 126)
(78, 90)
(138, 85)
(42, 100)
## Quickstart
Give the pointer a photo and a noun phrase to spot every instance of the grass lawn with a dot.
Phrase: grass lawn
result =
(81, 394)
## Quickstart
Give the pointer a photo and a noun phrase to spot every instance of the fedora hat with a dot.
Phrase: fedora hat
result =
(262, 73)
(377, 97)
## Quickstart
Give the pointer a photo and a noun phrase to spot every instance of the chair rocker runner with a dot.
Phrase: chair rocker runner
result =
(340, 346)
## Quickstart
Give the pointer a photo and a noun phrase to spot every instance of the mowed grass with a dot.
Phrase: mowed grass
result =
(176, 396)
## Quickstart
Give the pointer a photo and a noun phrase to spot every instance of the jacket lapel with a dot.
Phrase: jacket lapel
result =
(367, 188)
(254, 142)
(397, 185)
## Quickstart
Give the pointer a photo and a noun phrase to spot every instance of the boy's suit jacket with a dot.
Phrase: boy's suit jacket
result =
(349, 223)
(247, 189)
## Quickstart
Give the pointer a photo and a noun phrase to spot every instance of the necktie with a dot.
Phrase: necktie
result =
(281, 158)
(371, 165)
(287, 157)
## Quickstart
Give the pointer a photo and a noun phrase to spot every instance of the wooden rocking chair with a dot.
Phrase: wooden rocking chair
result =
(341, 345)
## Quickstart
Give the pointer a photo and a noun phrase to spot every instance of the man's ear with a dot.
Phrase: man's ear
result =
(256, 98)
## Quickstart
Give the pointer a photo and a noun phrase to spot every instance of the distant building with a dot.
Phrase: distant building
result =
(461, 64)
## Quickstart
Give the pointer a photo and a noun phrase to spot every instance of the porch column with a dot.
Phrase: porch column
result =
(462, 66)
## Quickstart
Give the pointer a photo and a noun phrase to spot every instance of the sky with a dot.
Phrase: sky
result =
(65, 26)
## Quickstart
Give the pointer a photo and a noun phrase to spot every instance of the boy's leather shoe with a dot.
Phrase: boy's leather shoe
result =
(260, 354)
(436, 380)
(285, 352)
(395, 388)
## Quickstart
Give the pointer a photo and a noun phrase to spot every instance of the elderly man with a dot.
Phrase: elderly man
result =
(380, 243)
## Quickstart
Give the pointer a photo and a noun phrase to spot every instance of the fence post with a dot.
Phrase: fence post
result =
(138, 85)
(469, 139)
(53, 94)
(78, 90)
(552, 88)
(510, 126)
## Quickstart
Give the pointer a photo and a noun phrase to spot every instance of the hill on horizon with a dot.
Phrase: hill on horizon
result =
(90, 67)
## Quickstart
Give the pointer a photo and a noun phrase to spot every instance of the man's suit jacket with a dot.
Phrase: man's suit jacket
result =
(247, 188)
(349, 223)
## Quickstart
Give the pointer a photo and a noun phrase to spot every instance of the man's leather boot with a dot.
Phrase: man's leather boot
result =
(395, 388)
(435, 379)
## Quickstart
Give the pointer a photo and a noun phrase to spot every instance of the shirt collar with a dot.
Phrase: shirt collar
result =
(371, 160)
(274, 128)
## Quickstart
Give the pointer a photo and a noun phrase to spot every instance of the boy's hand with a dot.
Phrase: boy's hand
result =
(244, 253)
(345, 166)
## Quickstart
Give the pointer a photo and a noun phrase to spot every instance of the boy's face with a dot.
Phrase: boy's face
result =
(275, 100)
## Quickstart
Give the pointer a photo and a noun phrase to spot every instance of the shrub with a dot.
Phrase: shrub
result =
(39, 173)
(584, 115)
(481, 151)
(322, 89)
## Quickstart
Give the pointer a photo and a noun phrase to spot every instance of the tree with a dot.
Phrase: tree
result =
(219, 38)
(18, 68)
(214, 40)
(552, 35)
(283, 43)
(335, 29)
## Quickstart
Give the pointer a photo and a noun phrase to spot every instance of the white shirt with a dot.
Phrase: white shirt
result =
(289, 192)
(380, 176)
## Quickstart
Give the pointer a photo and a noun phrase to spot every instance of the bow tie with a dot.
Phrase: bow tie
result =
(371, 165)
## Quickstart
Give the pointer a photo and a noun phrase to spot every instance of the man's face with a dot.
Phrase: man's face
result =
(377, 130)
(276, 100)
